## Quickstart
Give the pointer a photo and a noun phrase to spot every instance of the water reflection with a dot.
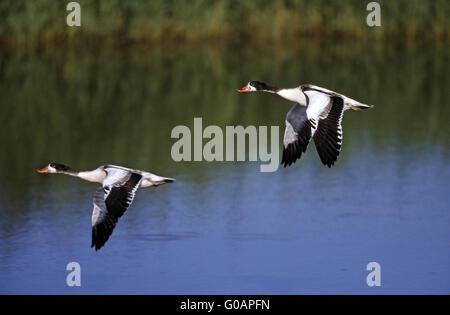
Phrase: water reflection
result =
(225, 227)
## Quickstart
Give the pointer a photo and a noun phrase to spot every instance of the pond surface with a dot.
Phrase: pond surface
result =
(225, 227)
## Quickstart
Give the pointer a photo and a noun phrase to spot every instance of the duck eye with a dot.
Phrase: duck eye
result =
(52, 165)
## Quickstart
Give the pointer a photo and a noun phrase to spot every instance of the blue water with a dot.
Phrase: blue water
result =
(237, 231)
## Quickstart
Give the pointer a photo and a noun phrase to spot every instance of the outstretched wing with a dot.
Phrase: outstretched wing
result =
(298, 133)
(328, 137)
(111, 201)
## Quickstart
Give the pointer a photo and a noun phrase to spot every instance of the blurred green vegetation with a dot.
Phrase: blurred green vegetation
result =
(140, 21)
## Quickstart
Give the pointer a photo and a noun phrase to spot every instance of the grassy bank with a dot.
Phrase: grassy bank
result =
(37, 21)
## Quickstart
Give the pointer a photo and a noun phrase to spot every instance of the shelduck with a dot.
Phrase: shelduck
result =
(317, 114)
(112, 199)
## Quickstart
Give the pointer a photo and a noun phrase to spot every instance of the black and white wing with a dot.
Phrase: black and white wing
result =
(111, 201)
(328, 137)
(299, 131)
(321, 120)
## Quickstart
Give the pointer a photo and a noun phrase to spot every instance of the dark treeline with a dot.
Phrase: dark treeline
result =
(23, 21)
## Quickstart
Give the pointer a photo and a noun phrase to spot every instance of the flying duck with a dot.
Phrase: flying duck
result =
(112, 199)
(317, 114)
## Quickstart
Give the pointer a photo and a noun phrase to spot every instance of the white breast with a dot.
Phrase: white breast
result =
(95, 176)
(294, 95)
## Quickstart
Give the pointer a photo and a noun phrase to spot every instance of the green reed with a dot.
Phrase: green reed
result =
(23, 21)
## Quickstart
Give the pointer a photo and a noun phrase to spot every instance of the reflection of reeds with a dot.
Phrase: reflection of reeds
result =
(192, 20)
(88, 108)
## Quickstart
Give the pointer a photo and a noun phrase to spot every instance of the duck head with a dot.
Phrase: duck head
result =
(54, 168)
(256, 86)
